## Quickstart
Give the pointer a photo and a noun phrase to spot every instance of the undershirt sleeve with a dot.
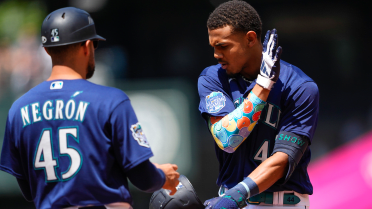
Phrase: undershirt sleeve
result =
(25, 188)
(294, 146)
(146, 177)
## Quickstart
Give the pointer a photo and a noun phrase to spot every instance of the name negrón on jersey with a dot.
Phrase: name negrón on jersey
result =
(53, 110)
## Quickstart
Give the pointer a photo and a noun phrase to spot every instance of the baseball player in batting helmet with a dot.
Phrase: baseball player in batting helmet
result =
(71, 143)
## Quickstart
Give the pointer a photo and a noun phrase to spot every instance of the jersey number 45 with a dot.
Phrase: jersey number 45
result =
(44, 156)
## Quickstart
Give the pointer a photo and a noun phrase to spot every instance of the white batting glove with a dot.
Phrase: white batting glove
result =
(270, 65)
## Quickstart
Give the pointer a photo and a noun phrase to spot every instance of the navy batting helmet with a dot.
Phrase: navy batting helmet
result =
(68, 26)
(184, 198)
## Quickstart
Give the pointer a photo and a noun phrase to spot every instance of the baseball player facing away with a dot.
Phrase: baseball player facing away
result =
(71, 143)
(261, 111)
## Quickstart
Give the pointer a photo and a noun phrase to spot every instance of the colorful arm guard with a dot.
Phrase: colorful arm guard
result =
(230, 131)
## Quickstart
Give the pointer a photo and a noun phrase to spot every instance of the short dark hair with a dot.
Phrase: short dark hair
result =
(60, 53)
(240, 15)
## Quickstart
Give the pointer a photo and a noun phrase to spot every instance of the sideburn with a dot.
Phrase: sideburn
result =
(91, 67)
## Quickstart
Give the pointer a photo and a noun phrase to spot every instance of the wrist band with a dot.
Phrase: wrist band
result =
(251, 185)
(264, 82)
(246, 188)
(242, 191)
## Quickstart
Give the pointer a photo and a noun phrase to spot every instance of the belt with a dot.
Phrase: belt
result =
(267, 197)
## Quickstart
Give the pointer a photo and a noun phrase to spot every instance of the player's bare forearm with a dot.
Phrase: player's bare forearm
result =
(231, 130)
(270, 171)
(260, 92)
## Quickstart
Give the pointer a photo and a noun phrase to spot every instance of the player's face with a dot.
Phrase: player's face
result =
(230, 49)
(91, 63)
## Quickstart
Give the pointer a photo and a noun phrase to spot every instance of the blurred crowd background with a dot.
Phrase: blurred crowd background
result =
(155, 50)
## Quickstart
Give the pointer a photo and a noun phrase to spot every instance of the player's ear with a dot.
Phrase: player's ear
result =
(86, 48)
(251, 38)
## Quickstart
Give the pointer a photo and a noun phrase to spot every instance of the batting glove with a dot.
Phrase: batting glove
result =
(225, 202)
(270, 65)
(211, 202)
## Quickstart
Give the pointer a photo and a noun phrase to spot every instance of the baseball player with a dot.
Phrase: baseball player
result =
(262, 113)
(71, 143)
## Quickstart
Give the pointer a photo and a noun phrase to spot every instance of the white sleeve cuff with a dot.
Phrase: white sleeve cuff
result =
(264, 82)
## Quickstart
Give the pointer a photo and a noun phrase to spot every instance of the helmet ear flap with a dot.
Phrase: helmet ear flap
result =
(184, 198)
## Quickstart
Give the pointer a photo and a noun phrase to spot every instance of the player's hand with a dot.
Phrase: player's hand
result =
(223, 202)
(270, 64)
(211, 202)
(171, 176)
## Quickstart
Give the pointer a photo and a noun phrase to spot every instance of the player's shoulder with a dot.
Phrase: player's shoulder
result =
(107, 92)
(289, 71)
(293, 76)
(294, 79)
(102, 97)
(213, 74)
(85, 90)
(28, 96)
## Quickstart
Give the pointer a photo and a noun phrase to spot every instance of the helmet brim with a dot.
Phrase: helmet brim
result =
(96, 37)
(99, 38)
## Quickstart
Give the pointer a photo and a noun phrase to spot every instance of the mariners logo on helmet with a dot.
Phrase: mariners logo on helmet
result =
(55, 37)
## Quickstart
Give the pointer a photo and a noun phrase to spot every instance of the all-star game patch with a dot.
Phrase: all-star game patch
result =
(215, 101)
(54, 33)
(138, 135)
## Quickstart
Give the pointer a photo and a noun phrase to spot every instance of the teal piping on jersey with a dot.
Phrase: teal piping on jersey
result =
(231, 131)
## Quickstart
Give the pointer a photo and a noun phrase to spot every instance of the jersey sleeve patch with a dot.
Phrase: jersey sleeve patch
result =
(138, 135)
(215, 101)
